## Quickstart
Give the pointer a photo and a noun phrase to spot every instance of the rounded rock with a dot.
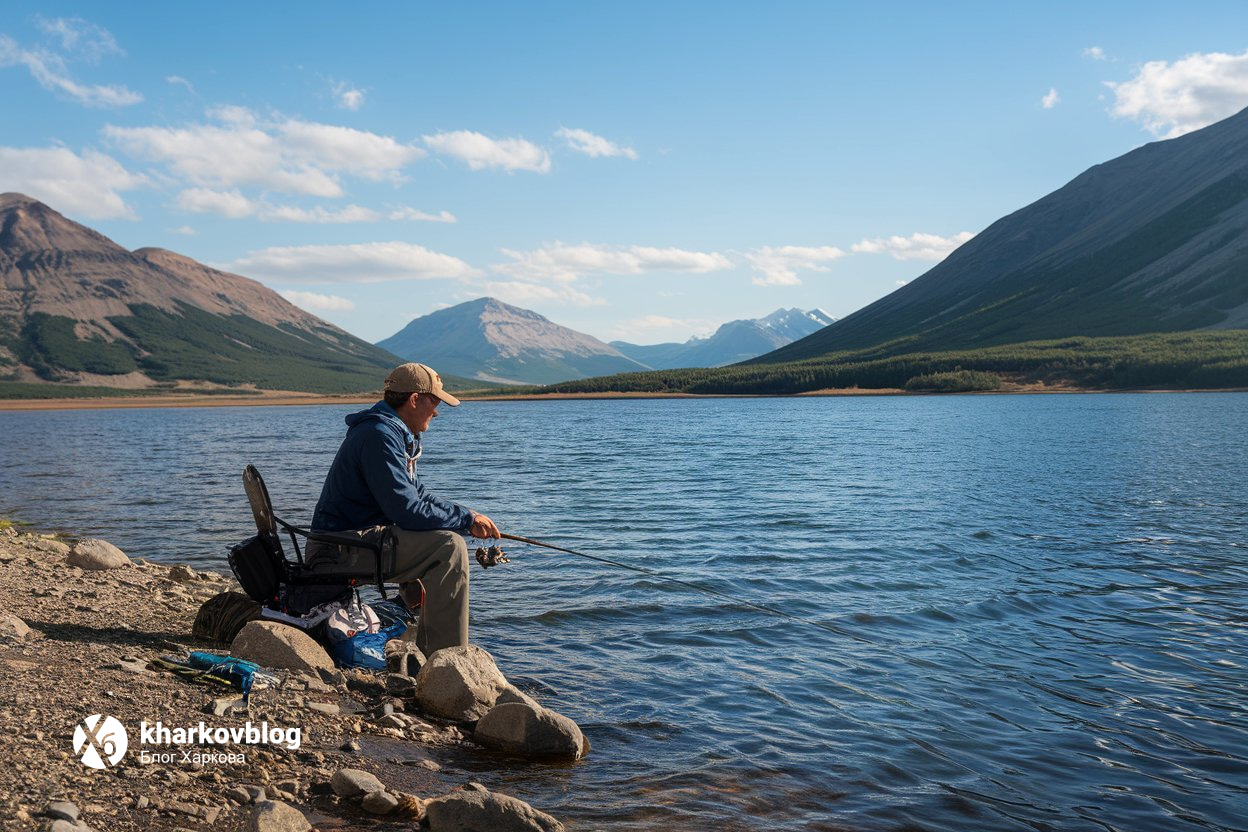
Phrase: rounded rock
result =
(12, 627)
(93, 553)
(531, 731)
(351, 782)
(271, 644)
(276, 816)
(379, 803)
(460, 683)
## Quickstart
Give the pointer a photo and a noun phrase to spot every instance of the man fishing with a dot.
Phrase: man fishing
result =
(373, 490)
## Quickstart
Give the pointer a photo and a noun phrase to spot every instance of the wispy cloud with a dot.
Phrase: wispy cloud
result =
(648, 327)
(522, 293)
(88, 185)
(357, 263)
(79, 37)
(283, 155)
(915, 247)
(318, 302)
(51, 70)
(1096, 53)
(348, 97)
(779, 265)
(479, 151)
(1051, 99)
(234, 205)
(1173, 98)
(179, 81)
(583, 141)
(565, 263)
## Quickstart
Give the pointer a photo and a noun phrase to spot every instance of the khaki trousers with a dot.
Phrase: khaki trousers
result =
(436, 560)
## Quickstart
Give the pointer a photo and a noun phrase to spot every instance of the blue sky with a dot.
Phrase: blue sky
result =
(638, 171)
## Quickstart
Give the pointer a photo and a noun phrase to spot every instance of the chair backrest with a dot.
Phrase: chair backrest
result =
(258, 497)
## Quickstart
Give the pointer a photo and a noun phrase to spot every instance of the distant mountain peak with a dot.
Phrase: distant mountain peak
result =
(491, 340)
(732, 342)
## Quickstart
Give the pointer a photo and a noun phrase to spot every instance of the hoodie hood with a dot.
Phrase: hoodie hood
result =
(385, 414)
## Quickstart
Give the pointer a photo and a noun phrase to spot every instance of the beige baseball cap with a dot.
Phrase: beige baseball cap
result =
(418, 378)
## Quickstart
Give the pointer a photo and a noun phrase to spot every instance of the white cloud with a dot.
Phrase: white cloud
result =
(319, 214)
(318, 302)
(480, 151)
(583, 141)
(50, 70)
(1096, 53)
(357, 263)
(89, 185)
(230, 204)
(179, 81)
(1051, 99)
(406, 213)
(77, 36)
(649, 327)
(234, 205)
(288, 156)
(779, 265)
(348, 97)
(915, 247)
(185, 230)
(523, 293)
(1171, 99)
(565, 263)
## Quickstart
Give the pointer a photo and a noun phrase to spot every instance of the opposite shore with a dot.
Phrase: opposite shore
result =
(295, 399)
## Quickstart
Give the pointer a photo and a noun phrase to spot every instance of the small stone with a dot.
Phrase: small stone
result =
(62, 809)
(225, 705)
(256, 793)
(142, 802)
(291, 786)
(327, 708)
(379, 803)
(392, 721)
(400, 684)
(182, 573)
(64, 826)
(275, 816)
(350, 746)
(210, 814)
(95, 554)
(238, 795)
(12, 627)
(350, 782)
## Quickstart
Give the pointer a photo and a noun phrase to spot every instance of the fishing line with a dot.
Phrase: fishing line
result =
(697, 587)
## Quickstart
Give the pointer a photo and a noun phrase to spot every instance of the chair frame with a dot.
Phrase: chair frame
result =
(268, 524)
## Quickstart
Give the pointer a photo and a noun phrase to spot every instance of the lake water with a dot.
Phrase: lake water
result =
(1034, 608)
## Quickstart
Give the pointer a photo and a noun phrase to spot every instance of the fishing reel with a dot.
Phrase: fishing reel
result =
(492, 556)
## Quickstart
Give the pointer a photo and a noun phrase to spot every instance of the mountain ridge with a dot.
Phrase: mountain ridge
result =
(732, 342)
(77, 308)
(1155, 240)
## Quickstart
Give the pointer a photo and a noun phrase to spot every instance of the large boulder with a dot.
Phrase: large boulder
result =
(276, 816)
(92, 553)
(270, 644)
(483, 811)
(460, 683)
(531, 731)
(12, 627)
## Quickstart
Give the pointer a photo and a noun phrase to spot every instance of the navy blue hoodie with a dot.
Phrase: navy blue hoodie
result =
(373, 481)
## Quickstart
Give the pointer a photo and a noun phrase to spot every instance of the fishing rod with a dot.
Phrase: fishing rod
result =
(494, 555)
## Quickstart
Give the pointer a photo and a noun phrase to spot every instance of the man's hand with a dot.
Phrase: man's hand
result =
(483, 528)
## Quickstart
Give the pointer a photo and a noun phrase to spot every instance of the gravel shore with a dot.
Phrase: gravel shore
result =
(91, 636)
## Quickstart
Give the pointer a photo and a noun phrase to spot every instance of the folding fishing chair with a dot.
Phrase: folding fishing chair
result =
(266, 573)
